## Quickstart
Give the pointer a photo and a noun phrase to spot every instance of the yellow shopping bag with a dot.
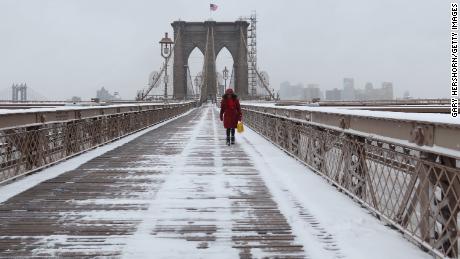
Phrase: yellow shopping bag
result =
(240, 127)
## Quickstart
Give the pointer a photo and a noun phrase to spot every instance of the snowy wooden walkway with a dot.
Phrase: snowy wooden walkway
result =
(174, 192)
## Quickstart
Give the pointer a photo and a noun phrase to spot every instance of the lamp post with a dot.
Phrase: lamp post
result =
(166, 45)
(225, 75)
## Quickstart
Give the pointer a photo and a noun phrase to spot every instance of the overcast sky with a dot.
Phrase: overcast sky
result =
(63, 48)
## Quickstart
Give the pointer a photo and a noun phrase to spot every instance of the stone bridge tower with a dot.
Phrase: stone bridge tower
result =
(210, 37)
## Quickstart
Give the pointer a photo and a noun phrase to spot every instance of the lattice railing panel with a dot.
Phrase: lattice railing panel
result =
(415, 191)
(28, 148)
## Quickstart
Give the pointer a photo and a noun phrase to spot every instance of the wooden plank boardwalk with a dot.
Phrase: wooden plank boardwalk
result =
(175, 192)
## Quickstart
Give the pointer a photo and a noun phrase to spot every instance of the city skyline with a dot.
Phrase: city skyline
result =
(348, 91)
(84, 45)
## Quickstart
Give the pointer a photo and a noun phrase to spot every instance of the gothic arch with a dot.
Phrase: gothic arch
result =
(232, 52)
(189, 50)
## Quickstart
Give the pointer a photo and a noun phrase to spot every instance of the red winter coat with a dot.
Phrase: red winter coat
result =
(230, 111)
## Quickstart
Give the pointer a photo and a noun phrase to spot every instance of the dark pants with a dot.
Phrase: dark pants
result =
(231, 134)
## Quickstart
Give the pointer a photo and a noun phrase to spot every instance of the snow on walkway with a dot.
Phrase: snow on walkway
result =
(213, 205)
(180, 192)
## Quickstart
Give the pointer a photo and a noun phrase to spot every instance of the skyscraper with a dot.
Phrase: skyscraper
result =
(387, 90)
(291, 92)
(334, 95)
(311, 92)
(348, 93)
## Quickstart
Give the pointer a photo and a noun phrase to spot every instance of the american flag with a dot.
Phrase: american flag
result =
(212, 7)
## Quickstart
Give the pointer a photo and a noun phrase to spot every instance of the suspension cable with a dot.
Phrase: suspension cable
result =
(156, 80)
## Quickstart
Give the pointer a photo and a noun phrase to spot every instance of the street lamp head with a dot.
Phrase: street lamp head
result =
(166, 44)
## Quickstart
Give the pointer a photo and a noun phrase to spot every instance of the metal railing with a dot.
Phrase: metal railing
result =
(387, 102)
(413, 189)
(364, 103)
(159, 97)
(32, 146)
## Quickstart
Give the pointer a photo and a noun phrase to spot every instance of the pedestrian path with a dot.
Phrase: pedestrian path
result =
(176, 192)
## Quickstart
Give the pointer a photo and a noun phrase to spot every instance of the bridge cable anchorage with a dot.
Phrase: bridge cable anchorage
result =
(143, 94)
(262, 80)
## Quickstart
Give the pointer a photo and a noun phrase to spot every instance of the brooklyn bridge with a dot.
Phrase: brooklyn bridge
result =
(154, 178)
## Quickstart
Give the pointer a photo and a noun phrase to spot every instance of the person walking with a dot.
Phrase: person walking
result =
(230, 114)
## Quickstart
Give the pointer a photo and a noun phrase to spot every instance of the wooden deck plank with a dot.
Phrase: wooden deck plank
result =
(180, 182)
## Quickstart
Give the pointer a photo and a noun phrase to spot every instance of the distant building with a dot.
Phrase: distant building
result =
(311, 92)
(360, 94)
(348, 93)
(370, 93)
(104, 95)
(387, 91)
(369, 87)
(406, 95)
(291, 92)
(334, 95)
(19, 92)
(299, 92)
(75, 99)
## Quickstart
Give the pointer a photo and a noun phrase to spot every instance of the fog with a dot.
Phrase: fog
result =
(62, 48)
